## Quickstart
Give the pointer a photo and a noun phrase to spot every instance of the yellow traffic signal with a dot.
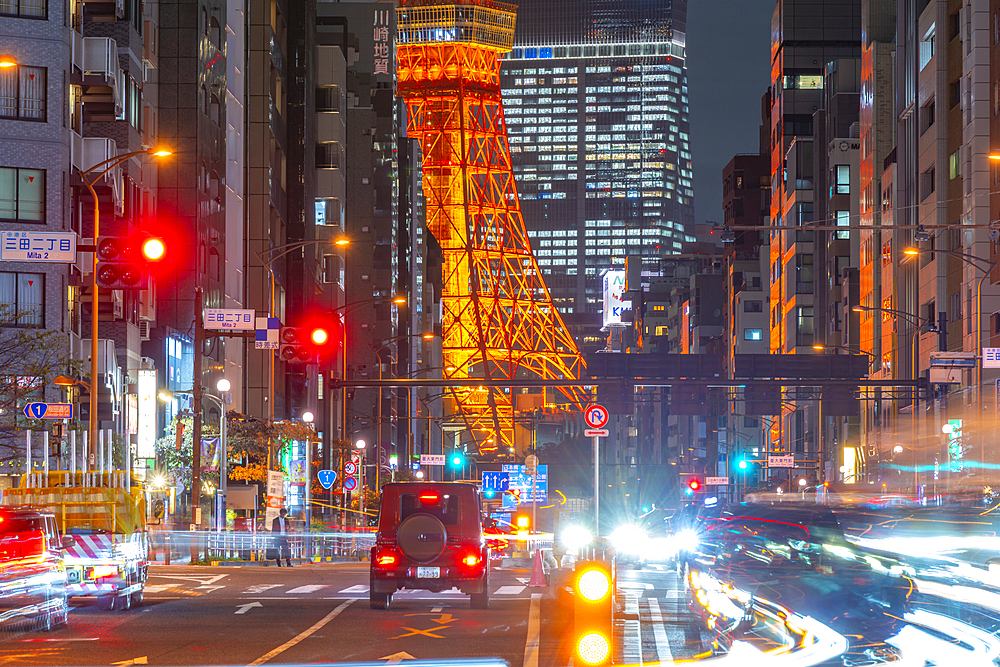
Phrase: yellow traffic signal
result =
(593, 601)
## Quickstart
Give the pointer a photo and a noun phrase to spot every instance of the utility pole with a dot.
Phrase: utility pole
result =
(196, 437)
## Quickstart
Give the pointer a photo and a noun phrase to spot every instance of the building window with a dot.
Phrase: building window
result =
(22, 93)
(753, 306)
(329, 99)
(29, 9)
(328, 155)
(804, 326)
(955, 164)
(843, 220)
(843, 179)
(753, 334)
(330, 211)
(22, 195)
(750, 422)
(22, 299)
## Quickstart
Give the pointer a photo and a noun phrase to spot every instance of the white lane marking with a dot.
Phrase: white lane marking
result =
(295, 640)
(436, 609)
(509, 590)
(201, 580)
(259, 588)
(355, 589)
(396, 658)
(534, 628)
(631, 633)
(311, 588)
(663, 653)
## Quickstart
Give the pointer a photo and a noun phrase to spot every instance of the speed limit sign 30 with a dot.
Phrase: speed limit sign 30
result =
(596, 416)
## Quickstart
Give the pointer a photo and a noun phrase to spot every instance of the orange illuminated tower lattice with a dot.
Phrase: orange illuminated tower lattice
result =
(499, 321)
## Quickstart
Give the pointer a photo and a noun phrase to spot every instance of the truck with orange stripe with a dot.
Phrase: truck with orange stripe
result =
(106, 514)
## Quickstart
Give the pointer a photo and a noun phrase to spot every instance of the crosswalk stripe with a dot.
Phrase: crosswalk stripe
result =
(659, 633)
(355, 589)
(260, 588)
(509, 590)
(631, 631)
(311, 588)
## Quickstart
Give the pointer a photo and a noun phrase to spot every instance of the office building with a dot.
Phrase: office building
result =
(596, 106)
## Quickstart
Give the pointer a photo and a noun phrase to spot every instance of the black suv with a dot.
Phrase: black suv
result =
(429, 537)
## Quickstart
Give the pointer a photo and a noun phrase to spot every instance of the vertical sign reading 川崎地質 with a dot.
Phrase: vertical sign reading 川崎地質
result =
(380, 34)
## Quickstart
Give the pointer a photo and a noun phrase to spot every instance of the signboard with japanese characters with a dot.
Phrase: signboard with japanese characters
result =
(230, 318)
(519, 481)
(381, 58)
(19, 246)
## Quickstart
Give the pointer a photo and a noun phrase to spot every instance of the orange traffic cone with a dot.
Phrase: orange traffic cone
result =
(537, 573)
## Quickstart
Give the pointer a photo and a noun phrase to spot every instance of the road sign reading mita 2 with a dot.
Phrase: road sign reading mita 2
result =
(596, 416)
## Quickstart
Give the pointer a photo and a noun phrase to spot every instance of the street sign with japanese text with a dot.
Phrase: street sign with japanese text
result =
(230, 318)
(717, 481)
(432, 459)
(991, 357)
(49, 410)
(18, 246)
(266, 333)
(781, 461)
(520, 479)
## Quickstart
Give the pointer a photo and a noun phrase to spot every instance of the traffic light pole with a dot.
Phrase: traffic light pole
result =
(94, 305)
(196, 436)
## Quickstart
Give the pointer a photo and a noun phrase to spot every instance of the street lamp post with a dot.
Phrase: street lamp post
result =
(980, 264)
(378, 446)
(108, 165)
(918, 323)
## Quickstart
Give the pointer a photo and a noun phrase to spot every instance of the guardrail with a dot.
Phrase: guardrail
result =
(245, 546)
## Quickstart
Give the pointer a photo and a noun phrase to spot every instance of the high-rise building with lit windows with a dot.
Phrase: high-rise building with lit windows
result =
(596, 104)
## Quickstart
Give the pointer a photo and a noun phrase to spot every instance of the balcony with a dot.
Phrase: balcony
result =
(96, 150)
(96, 71)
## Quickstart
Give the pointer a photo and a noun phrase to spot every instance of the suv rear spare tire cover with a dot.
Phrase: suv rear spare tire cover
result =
(422, 537)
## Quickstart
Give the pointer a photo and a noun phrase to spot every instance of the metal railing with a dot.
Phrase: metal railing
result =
(177, 545)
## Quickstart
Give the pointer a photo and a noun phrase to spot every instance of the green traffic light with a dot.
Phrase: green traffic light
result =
(742, 464)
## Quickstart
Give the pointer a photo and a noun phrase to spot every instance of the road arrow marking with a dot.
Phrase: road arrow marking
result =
(244, 608)
(397, 658)
(133, 661)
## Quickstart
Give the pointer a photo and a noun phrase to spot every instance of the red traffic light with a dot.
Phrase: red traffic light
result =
(694, 484)
(319, 336)
(154, 249)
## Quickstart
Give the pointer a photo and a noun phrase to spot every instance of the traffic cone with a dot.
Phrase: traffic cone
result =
(537, 573)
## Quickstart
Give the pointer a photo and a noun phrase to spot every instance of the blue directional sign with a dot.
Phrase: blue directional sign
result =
(49, 410)
(521, 480)
(496, 480)
(326, 478)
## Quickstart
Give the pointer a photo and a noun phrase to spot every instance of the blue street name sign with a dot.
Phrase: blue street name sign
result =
(49, 410)
(326, 478)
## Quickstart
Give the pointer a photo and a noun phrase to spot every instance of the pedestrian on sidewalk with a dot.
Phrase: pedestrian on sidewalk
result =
(280, 528)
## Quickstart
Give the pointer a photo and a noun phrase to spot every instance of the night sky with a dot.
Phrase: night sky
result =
(729, 52)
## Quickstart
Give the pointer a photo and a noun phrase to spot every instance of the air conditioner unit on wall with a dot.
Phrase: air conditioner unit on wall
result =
(143, 330)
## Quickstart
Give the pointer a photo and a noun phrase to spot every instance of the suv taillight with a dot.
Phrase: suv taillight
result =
(386, 557)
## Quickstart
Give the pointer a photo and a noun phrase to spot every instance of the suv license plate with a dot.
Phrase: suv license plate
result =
(428, 573)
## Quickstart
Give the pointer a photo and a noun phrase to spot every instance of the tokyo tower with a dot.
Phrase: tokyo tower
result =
(499, 322)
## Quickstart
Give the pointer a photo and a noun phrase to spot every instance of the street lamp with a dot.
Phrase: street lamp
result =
(308, 417)
(107, 165)
(223, 385)
(7, 61)
(360, 445)
(986, 266)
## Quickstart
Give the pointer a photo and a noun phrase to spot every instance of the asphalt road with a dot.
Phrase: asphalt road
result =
(306, 614)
